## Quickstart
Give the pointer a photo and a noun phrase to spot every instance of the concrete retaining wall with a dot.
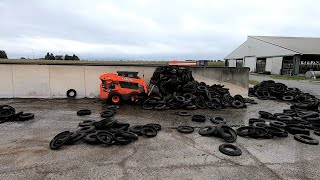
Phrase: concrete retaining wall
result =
(232, 75)
(53, 81)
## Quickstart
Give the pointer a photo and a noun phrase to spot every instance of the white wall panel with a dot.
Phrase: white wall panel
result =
(6, 81)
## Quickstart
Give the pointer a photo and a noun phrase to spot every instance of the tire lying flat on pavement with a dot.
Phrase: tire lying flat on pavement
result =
(198, 118)
(230, 150)
(83, 112)
(306, 139)
(148, 131)
(185, 129)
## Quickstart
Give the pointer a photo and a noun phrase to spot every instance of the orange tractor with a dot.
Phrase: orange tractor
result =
(124, 86)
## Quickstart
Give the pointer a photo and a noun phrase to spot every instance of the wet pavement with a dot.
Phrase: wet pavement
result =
(25, 152)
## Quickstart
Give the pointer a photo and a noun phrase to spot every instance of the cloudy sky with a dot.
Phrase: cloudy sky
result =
(148, 29)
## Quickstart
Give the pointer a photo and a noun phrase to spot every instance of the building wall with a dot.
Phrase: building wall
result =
(274, 65)
(250, 62)
(53, 81)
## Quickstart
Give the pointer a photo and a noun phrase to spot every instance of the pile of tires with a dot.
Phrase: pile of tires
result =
(8, 113)
(272, 90)
(104, 132)
(175, 88)
(299, 123)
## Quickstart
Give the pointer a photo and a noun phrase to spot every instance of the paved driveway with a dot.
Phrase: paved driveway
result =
(25, 153)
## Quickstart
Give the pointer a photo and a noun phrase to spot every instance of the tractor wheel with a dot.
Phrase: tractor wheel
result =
(115, 98)
(133, 97)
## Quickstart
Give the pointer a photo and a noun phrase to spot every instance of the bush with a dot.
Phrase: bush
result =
(3, 55)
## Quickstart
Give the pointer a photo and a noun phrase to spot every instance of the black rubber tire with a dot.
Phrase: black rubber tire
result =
(148, 131)
(107, 113)
(16, 116)
(223, 148)
(105, 137)
(155, 125)
(237, 104)
(184, 113)
(244, 131)
(316, 132)
(70, 92)
(259, 124)
(147, 106)
(160, 107)
(185, 129)
(278, 124)
(136, 129)
(207, 130)
(84, 112)
(91, 138)
(276, 131)
(87, 123)
(121, 140)
(284, 118)
(297, 130)
(218, 120)
(60, 139)
(198, 118)
(306, 139)
(76, 136)
(87, 129)
(26, 116)
(287, 98)
(130, 135)
(258, 132)
(115, 94)
(227, 133)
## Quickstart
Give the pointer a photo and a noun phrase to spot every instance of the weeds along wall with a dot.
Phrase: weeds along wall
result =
(53, 81)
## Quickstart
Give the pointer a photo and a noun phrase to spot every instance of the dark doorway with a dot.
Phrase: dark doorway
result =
(261, 65)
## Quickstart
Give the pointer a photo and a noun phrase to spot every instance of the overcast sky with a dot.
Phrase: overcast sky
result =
(148, 29)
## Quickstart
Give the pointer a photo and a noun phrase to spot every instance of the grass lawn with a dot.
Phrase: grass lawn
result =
(285, 77)
(216, 63)
(253, 82)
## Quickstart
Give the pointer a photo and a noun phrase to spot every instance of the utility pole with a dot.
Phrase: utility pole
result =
(32, 54)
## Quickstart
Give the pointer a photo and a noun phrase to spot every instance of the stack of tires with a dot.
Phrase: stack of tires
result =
(175, 88)
(8, 113)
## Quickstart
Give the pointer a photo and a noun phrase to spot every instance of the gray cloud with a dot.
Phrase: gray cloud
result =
(148, 29)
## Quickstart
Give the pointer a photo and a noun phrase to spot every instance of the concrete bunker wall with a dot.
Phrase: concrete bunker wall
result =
(53, 81)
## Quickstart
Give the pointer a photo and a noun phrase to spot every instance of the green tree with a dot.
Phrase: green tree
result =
(47, 56)
(3, 54)
(76, 58)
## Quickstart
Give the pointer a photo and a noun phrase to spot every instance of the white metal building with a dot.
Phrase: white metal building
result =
(277, 55)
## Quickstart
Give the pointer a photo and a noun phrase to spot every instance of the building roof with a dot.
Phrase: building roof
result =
(301, 45)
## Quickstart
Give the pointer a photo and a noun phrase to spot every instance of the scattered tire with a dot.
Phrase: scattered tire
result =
(105, 137)
(148, 131)
(92, 138)
(227, 133)
(230, 150)
(147, 107)
(218, 120)
(26, 116)
(184, 113)
(278, 124)
(136, 129)
(185, 129)
(155, 125)
(306, 139)
(87, 123)
(83, 112)
(198, 118)
(71, 93)
(87, 129)
(60, 139)
(316, 132)
(207, 130)
(107, 113)
(76, 136)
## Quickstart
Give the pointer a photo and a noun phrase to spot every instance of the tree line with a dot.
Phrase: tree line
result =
(50, 56)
